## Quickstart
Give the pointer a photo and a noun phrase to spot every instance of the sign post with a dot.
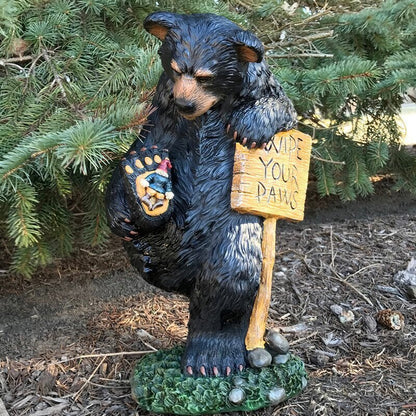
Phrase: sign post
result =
(271, 183)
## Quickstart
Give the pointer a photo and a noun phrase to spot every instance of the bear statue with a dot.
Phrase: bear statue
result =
(180, 232)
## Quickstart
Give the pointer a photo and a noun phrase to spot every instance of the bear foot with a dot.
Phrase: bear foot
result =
(210, 355)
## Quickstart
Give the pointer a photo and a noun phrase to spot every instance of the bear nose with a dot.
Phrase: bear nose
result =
(185, 106)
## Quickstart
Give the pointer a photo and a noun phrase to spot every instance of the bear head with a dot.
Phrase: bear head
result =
(205, 56)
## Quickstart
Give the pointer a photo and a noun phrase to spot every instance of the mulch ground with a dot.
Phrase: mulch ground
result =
(331, 279)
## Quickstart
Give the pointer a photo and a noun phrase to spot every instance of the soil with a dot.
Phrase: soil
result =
(70, 336)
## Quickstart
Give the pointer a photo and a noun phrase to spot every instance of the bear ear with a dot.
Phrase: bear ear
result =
(249, 48)
(159, 23)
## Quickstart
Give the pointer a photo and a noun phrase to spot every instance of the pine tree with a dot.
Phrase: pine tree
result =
(347, 74)
(76, 77)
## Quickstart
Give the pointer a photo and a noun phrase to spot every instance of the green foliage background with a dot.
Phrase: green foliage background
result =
(76, 77)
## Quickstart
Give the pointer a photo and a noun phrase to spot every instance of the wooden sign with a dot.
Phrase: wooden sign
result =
(271, 183)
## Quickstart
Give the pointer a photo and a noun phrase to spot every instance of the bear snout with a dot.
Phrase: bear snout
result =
(191, 98)
(185, 106)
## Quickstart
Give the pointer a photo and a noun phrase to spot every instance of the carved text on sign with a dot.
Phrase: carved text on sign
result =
(273, 181)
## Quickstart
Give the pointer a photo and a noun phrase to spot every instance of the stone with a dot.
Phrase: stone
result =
(304, 382)
(281, 358)
(411, 291)
(238, 381)
(277, 395)
(236, 396)
(370, 323)
(277, 342)
(259, 358)
(346, 317)
(336, 309)
(319, 359)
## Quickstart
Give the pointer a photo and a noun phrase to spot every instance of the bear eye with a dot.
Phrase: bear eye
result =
(203, 79)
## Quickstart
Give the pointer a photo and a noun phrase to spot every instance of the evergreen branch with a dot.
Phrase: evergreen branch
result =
(314, 17)
(301, 40)
(23, 224)
(139, 119)
(51, 152)
(353, 76)
(57, 77)
(31, 69)
(243, 4)
(4, 61)
(301, 55)
(334, 162)
(12, 65)
(29, 159)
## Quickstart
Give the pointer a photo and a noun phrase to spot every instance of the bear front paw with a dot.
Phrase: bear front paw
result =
(248, 136)
(148, 184)
(121, 225)
(253, 126)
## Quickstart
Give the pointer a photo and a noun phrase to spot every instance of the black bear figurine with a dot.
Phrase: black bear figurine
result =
(216, 90)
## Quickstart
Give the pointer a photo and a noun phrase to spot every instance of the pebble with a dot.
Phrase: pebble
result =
(346, 317)
(8, 397)
(41, 406)
(281, 358)
(236, 396)
(321, 360)
(259, 358)
(336, 309)
(277, 342)
(370, 323)
(277, 395)
(142, 334)
(239, 381)
(331, 340)
(411, 291)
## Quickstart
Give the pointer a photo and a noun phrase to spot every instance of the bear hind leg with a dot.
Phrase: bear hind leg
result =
(217, 329)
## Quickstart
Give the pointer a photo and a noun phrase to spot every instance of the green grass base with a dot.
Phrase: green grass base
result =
(159, 386)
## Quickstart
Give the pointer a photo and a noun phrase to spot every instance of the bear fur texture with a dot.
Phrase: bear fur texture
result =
(216, 90)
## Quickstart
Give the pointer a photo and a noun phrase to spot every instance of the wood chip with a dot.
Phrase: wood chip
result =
(54, 410)
(3, 411)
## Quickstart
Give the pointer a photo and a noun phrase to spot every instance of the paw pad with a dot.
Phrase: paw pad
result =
(148, 177)
(138, 164)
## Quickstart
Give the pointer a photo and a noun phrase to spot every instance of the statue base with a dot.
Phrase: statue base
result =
(159, 386)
